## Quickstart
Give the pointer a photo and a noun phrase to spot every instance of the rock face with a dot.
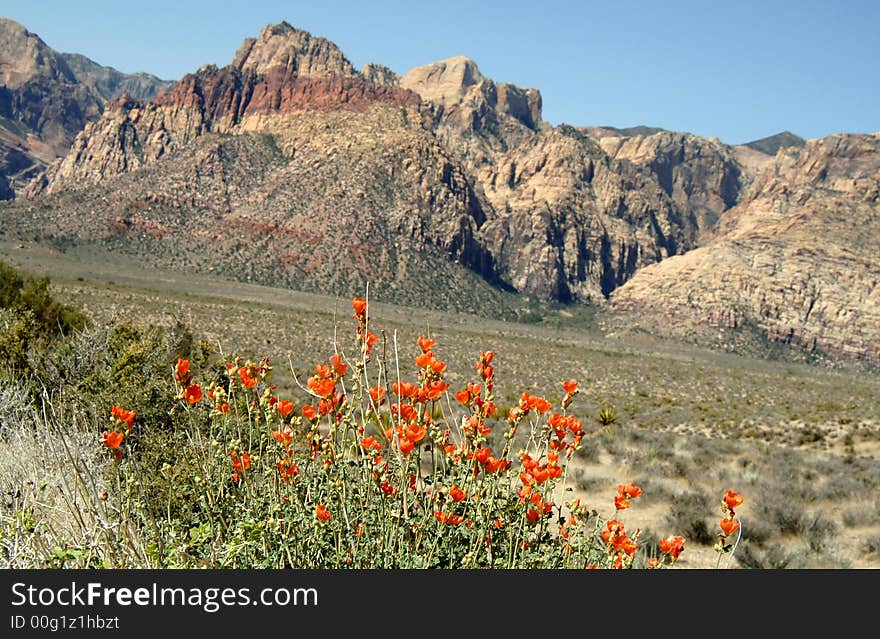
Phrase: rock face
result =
(46, 98)
(281, 47)
(797, 259)
(110, 83)
(577, 212)
(378, 74)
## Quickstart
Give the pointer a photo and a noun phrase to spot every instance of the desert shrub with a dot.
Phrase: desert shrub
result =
(818, 530)
(52, 478)
(860, 515)
(871, 545)
(31, 321)
(840, 487)
(123, 364)
(655, 488)
(688, 514)
(772, 556)
(17, 332)
(23, 292)
(785, 515)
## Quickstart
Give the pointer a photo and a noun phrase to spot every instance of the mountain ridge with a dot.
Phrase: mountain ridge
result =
(46, 99)
(437, 173)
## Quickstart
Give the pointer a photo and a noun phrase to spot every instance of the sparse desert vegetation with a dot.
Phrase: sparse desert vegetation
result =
(684, 425)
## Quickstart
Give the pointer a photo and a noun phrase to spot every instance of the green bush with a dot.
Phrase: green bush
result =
(31, 320)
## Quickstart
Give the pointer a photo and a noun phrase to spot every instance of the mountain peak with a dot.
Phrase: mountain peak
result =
(283, 47)
(24, 55)
(445, 81)
(771, 144)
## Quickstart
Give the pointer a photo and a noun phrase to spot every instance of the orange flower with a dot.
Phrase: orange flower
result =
(614, 532)
(448, 518)
(541, 474)
(532, 515)
(321, 387)
(732, 499)
(287, 468)
(457, 493)
(247, 380)
(424, 359)
(482, 454)
(533, 402)
(405, 389)
(621, 503)
(360, 308)
(672, 546)
(376, 394)
(426, 344)
(370, 340)
(629, 491)
(193, 394)
(284, 407)
(435, 390)
(338, 367)
(181, 371)
(405, 411)
(308, 412)
(628, 546)
(570, 387)
(125, 416)
(406, 445)
(463, 396)
(415, 432)
(282, 437)
(325, 406)
(370, 442)
(494, 465)
(239, 463)
(387, 488)
(113, 440)
(322, 513)
(242, 462)
(729, 526)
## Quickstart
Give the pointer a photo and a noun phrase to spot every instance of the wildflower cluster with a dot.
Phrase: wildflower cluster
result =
(374, 466)
(122, 421)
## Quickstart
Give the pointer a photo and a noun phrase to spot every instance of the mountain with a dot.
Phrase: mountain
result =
(795, 260)
(548, 211)
(770, 145)
(286, 166)
(444, 188)
(46, 98)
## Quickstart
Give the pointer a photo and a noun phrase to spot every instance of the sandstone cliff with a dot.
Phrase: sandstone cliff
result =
(797, 259)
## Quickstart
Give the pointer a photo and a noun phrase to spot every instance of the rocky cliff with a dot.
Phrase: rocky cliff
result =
(796, 259)
(305, 171)
(46, 99)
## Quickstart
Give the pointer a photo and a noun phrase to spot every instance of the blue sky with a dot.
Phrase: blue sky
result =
(740, 72)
